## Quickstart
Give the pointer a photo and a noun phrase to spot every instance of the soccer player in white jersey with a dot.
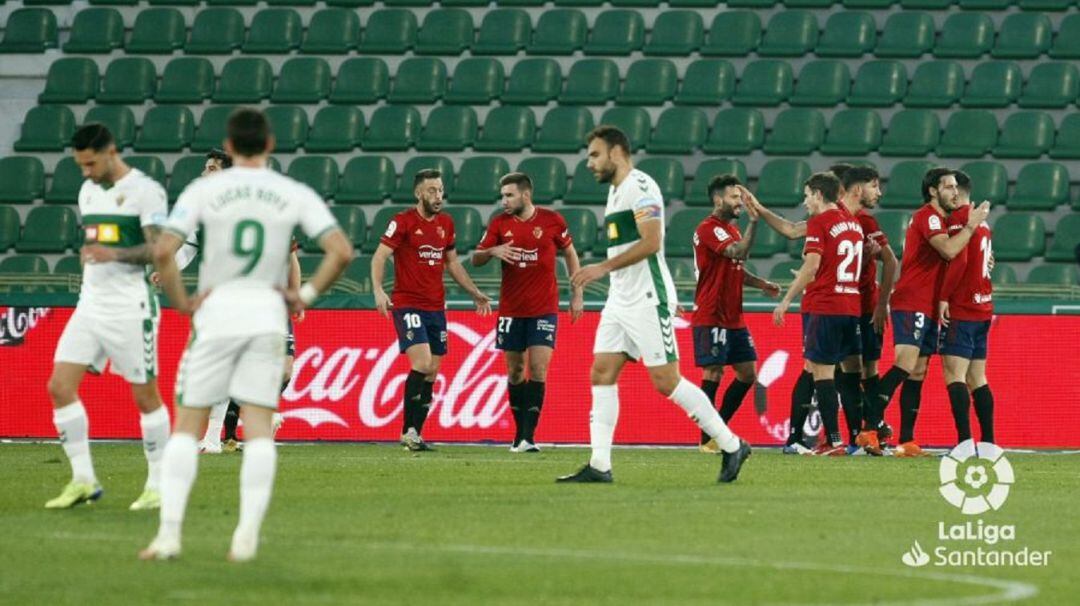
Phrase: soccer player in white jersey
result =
(637, 322)
(237, 349)
(117, 314)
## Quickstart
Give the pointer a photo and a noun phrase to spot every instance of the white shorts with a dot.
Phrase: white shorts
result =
(643, 333)
(246, 369)
(129, 343)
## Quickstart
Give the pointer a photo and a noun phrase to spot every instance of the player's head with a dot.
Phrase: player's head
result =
(963, 188)
(725, 196)
(428, 189)
(95, 152)
(516, 190)
(820, 190)
(939, 185)
(840, 169)
(247, 134)
(608, 150)
(864, 182)
(216, 159)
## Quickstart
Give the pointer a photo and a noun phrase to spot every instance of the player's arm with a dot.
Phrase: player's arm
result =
(951, 246)
(741, 249)
(889, 266)
(771, 289)
(293, 280)
(141, 254)
(789, 229)
(164, 259)
(811, 262)
(953, 274)
(577, 297)
(378, 272)
(337, 253)
(458, 273)
(488, 249)
(649, 226)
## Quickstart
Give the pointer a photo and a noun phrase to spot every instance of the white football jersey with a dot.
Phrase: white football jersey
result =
(247, 217)
(648, 282)
(115, 217)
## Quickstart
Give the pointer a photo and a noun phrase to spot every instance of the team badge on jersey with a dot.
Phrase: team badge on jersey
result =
(537, 232)
(106, 233)
(439, 230)
(120, 200)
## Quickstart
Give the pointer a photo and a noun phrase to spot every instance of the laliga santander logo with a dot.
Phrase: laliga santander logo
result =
(975, 477)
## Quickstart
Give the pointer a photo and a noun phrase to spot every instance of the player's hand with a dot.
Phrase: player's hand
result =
(771, 289)
(292, 300)
(483, 303)
(880, 319)
(577, 307)
(298, 317)
(872, 250)
(589, 273)
(188, 306)
(990, 262)
(96, 253)
(382, 303)
(979, 215)
(778, 313)
(506, 252)
(943, 312)
(155, 278)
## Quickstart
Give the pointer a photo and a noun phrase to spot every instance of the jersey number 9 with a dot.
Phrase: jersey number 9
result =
(248, 240)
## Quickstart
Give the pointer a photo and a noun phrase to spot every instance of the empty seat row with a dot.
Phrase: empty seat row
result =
(981, 5)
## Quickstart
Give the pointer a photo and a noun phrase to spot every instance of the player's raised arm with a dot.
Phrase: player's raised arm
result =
(458, 273)
(950, 246)
(769, 289)
(789, 229)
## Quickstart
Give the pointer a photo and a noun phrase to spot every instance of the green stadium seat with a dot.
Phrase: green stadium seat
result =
(166, 128)
(357, 277)
(1019, 237)
(985, 5)
(366, 179)
(634, 122)
(993, 84)
(675, 33)
(352, 221)
(415, 164)
(636, 3)
(1067, 142)
(419, 80)
(274, 31)
(96, 30)
(533, 82)
(907, 35)
(683, 275)
(1066, 239)
(508, 128)
(1041, 186)
(678, 237)
(965, 35)
(244, 80)
(912, 132)
(67, 179)
(649, 82)
(476, 80)
(446, 31)
(504, 31)
(478, 180)
(129, 80)
(24, 264)
(1067, 41)
(616, 33)
(29, 30)
(290, 127)
(880, 83)
(50, 229)
(22, 179)
(1055, 274)
(186, 80)
(548, 176)
(1046, 5)
(10, 227)
(822, 83)
(790, 33)
(935, 84)
(338, 128)
(581, 223)
(767, 242)
(468, 227)
(1051, 85)
(70, 80)
(186, 170)
(332, 31)
(216, 31)
(563, 130)
(46, 128)
(584, 189)
(361, 80)
(668, 174)
(378, 228)
(151, 166)
(989, 181)
(698, 191)
(350, 3)
(449, 128)
(118, 119)
(211, 131)
(782, 272)
(847, 34)
(767, 83)
(736, 130)
(796, 131)
(680, 130)
(389, 31)
(733, 33)
(1003, 274)
(904, 187)
(157, 31)
(309, 264)
(1023, 36)
(559, 32)
(969, 133)
(320, 173)
(853, 132)
(781, 181)
(591, 82)
(1025, 135)
(707, 82)
(303, 80)
(894, 224)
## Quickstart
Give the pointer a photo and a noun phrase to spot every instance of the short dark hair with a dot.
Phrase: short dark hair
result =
(521, 180)
(220, 156)
(826, 184)
(840, 169)
(963, 181)
(92, 136)
(719, 183)
(858, 174)
(933, 178)
(424, 175)
(611, 135)
(249, 131)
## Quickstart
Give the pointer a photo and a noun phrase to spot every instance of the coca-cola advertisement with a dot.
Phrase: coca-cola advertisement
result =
(349, 377)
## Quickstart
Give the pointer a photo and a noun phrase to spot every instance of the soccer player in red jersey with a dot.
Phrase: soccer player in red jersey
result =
(832, 264)
(914, 302)
(421, 241)
(525, 239)
(720, 333)
(966, 307)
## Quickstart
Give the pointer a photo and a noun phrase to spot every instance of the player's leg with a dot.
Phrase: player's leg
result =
(286, 375)
(539, 361)
(802, 394)
(709, 357)
(211, 441)
(435, 326)
(955, 368)
(742, 357)
(909, 331)
(711, 376)
(232, 421)
(829, 406)
(427, 390)
(413, 342)
(848, 373)
(154, 422)
(516, 388)
(977, 382)
(910, 400)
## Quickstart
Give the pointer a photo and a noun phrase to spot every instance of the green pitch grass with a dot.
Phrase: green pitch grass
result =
(370, 524)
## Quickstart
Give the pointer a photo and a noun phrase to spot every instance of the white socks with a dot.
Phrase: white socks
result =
(256, 484)
(155, 434)
(178, 469)
(74, 430)
(602, 420)
(690, 398)
(215, 422)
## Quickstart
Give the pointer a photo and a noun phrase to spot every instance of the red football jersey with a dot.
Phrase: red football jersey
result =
(967, 286)
(719, 296)
(868, 283)
(923, 268)
(419, 247)
(837, 236)
(529, 287)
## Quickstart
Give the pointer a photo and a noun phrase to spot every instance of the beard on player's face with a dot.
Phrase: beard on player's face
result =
(432, 204)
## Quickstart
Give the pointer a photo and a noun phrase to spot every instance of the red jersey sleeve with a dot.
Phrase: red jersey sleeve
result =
(491, 236)
(714, 237)
(815, 236)
(395, 232)
(562, 239)
(931, 225)
(954, 273)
